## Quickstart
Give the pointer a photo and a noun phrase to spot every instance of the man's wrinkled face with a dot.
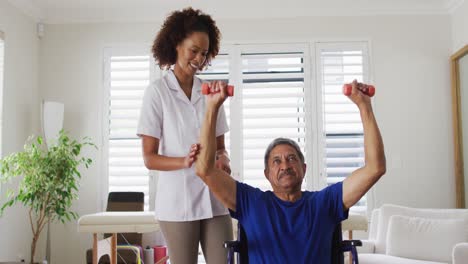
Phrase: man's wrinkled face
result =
(285, 169)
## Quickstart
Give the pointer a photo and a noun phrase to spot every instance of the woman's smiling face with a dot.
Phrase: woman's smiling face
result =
(192, 53)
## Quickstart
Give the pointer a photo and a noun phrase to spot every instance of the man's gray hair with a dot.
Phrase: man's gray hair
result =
(282, 141)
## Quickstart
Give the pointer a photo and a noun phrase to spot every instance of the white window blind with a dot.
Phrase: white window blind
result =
(342, 140)
(273, 98)
(127, 76)
(273, 105)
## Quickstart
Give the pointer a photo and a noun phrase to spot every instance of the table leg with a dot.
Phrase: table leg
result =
(95, 249)
(106, 246)
(113, 252)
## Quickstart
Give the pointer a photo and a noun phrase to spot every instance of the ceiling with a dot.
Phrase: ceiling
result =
(91, 11)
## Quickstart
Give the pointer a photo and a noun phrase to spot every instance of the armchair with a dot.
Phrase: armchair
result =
(404, 235)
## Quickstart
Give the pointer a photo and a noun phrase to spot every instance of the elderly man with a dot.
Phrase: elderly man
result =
(289, 225)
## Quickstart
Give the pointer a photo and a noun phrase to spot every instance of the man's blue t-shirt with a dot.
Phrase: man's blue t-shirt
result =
(289, 232)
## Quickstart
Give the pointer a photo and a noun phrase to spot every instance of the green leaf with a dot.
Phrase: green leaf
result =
(49, 178)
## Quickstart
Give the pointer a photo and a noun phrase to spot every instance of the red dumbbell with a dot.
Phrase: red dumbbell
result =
(206, 89)
(347, 90)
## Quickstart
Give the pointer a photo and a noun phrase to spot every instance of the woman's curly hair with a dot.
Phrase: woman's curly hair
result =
(179, 25)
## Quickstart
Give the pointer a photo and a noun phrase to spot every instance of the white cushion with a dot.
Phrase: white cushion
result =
(424, 239)
(373, 225)
(385, 259)
(387, 210)
(460, 253)
(118, 222)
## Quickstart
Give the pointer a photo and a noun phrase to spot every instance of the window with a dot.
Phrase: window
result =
(272, 104)
(275, 96)
(342, 140)
(127, 74)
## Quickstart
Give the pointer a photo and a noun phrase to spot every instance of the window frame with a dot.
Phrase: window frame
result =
(364, 45)
(108, 52)
(236, 103)
(315, 176)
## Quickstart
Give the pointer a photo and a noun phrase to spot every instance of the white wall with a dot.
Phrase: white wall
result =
(20, 116)
(72, 73)
(411, 72)
(460, 27)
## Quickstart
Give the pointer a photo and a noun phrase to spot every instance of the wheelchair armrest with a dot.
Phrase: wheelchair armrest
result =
(231, 244)
(368, 247)
(352, 243)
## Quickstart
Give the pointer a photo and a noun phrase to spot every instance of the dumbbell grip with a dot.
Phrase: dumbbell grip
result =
(206, 89)
(347, 90)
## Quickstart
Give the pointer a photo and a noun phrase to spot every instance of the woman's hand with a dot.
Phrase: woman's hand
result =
(192, 155)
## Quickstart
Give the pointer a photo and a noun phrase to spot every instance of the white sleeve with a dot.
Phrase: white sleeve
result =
(221, 123)
(151, 113)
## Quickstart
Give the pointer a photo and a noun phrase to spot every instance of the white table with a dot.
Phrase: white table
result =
(115, 222)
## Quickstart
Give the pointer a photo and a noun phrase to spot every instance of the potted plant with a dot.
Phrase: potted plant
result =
(50, 179)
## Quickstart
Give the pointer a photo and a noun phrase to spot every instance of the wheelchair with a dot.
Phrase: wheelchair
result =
(238, 251)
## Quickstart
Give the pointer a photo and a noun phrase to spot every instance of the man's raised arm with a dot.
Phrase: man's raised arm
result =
(219, 182)
(362, 179)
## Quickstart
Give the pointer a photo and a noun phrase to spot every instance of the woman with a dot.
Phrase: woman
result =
(170, 120)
